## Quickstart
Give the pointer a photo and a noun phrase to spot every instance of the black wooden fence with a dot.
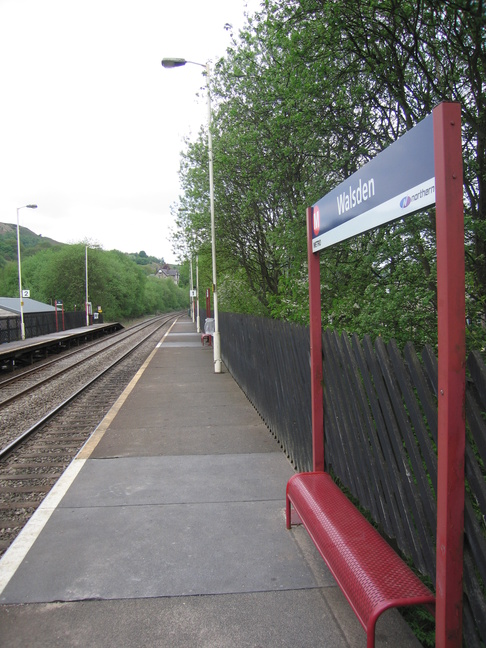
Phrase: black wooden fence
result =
(40, 324)
(381, 433)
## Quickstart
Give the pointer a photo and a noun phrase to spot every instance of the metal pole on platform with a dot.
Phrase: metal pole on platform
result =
(178, 62)
(21, 297)
(198, 321)
(87, 300)
(192, 290)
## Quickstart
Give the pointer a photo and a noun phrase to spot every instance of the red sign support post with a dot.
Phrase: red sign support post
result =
(452, 377)
(208, 303)
(315, 327)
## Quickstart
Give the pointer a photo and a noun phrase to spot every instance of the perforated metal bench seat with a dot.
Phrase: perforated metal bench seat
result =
(371, 575)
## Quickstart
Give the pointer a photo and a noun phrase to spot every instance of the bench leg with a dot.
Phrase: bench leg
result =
(370, 635)
(288, 513)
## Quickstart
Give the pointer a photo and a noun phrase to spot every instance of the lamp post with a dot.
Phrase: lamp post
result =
(178, 62)
(192, 291)
(198, 323)
(87, 297)
(22, 325)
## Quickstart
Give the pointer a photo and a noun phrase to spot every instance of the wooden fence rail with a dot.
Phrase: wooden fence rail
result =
(380, 421)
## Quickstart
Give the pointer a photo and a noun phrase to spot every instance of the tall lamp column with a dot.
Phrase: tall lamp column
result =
(178, 62)
(198, 321)
(22, 325)
(87, 296)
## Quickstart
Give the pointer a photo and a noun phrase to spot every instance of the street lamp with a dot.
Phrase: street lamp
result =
(87, 297)
(178, 62)
(22, 325)
(192, 291)
(198, 325)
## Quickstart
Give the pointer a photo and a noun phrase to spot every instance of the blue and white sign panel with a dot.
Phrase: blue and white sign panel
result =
(397, 182)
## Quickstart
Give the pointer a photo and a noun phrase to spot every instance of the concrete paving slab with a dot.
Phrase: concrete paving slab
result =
(167, 399)
(182, 343)
(297, 619)
(123, 441)
(237, 621)
(156, 381)
(195, 376)
(170, 418)
(181, 333)
(156, 385)
(151, 551)
(180, 479)
(197, 358)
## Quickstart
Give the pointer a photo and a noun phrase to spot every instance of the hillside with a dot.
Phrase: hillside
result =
(29, 241)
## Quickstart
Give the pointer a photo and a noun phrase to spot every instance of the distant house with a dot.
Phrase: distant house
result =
(10, 306)
(166, 272)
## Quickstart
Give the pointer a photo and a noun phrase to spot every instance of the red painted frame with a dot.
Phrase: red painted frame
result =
(315, 327)
(452, 377)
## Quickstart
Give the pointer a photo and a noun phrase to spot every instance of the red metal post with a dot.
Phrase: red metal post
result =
(451, 385)
(208, 303)
(315, 349)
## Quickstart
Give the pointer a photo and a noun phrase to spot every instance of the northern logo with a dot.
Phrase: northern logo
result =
(405, 202)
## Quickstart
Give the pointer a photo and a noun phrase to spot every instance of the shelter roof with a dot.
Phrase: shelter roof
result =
(12, 305)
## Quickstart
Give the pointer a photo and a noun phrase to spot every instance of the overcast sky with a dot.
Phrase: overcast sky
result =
(91, 125)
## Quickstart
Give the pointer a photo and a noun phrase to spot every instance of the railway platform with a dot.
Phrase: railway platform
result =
(24, 352)
(168, 530)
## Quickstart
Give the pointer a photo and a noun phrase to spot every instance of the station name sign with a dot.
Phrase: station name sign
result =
(397, 182)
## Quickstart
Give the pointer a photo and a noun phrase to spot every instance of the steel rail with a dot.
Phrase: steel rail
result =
(30, 372)
(4, 452)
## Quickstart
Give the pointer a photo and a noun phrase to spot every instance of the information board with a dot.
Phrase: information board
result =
(397, 182)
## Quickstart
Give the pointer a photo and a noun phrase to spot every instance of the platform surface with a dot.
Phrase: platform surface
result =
(168, 530)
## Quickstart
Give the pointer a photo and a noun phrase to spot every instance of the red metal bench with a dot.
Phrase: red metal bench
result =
(371, 575)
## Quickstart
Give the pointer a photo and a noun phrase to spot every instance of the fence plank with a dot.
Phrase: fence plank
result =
(364, 428)
(415, 437)
(337, 420)
(390, 473)
(389, 438)
(429, 408)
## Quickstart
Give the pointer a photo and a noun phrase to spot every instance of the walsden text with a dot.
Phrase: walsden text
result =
(348, 200)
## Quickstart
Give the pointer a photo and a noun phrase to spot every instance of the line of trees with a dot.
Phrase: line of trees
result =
(121, 286)
(308, 92)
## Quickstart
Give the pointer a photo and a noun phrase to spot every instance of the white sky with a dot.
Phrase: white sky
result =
(91, 125)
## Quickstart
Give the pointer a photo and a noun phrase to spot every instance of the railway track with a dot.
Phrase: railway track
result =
(48, 413)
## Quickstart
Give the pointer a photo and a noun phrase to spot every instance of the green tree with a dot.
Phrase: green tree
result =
(308, 92)
(115, 282)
